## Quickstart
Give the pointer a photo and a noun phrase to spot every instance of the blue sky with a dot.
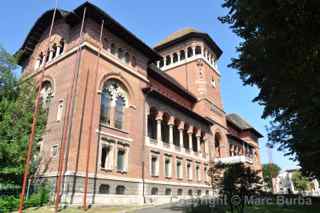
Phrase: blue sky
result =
(152, 21)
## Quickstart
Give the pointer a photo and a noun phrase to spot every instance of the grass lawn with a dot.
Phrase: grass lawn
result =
(283, 209)
(78, 210)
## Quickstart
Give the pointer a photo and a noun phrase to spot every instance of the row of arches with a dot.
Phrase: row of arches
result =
(189, 52)
(54, 51)
(120, 52)
(159, 125)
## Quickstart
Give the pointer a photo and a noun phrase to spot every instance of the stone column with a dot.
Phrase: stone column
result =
(198, 141)
(159, 119)
(181, 128)
(171, 124)
(58, 50)
(51, 54)
(190, 132)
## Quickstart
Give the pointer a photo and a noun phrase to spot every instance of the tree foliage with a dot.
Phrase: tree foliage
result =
(279, 54)
(270, 171)
(300, 182)
(16, 108)
(236, 182)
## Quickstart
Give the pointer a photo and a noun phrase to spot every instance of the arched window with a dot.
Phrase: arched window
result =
(217, 139)
(127, 57)
(120, 53)
(105, 43)
(54, 50)
(46, 94)
(105, 107)
(120, 190)
(113, 49)
(182, 55)
(179, 192)
(47, 55)
(114, 95)
(134, 61)
(175, 57)
(168, 60)
(104, 189)
(161, 63)
(118, 119)
(152, 125)
(154, 191)
(199, 192)
(198, 50)
(168, 191)
(190, 192)
(41, 59)
(61, 46)
(190, 52)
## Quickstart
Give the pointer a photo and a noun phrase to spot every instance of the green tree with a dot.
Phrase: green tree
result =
(300, 182)
(16, 109)
(280, 54)
(270, 171)
(238, 182)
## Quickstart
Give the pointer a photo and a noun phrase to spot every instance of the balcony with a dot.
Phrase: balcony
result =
(174, 148)
(234, 159)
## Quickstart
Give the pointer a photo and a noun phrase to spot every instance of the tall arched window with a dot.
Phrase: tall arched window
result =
(118, 119)
(198, 50)
(217, 139)
(105, 107)
(182, 55)
(61, 46)
(175, 57)
(54, 50)
(168, 60)
(114, 99)
(127, 57)
(113, 49)
(46, 94)
(190, 52)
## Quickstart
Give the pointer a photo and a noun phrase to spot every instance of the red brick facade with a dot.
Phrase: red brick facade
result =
(169, 114)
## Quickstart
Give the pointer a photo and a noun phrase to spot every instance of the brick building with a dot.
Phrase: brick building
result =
(152, 118)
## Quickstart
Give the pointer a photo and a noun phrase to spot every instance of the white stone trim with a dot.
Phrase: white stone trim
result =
(114, 136)
(127, 179)
(103, 53)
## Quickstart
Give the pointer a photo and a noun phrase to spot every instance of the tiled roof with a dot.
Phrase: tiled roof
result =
(177, 34)
(185, 34)
(242, 124)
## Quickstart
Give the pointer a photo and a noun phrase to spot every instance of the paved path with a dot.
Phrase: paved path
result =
(167, 208)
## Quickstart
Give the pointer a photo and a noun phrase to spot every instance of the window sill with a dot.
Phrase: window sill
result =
(122, 172)
(168, 177)
(114, 128)
(106, 169)
(156, 176)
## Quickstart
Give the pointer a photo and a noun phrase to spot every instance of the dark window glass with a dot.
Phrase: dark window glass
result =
(104, 189)
(120, 190)
(105, 107)
(119, 113)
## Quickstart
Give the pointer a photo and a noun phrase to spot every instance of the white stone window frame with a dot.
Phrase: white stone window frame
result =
(180, 169)
(167, 157)
(198, 171)
(60, 110)
(56, 152)
(205, 171)
(157, 156)
(122, 146)
(189, 172)
(109, 163)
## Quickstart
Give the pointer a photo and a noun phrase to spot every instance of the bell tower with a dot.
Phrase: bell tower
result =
(191, 57)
